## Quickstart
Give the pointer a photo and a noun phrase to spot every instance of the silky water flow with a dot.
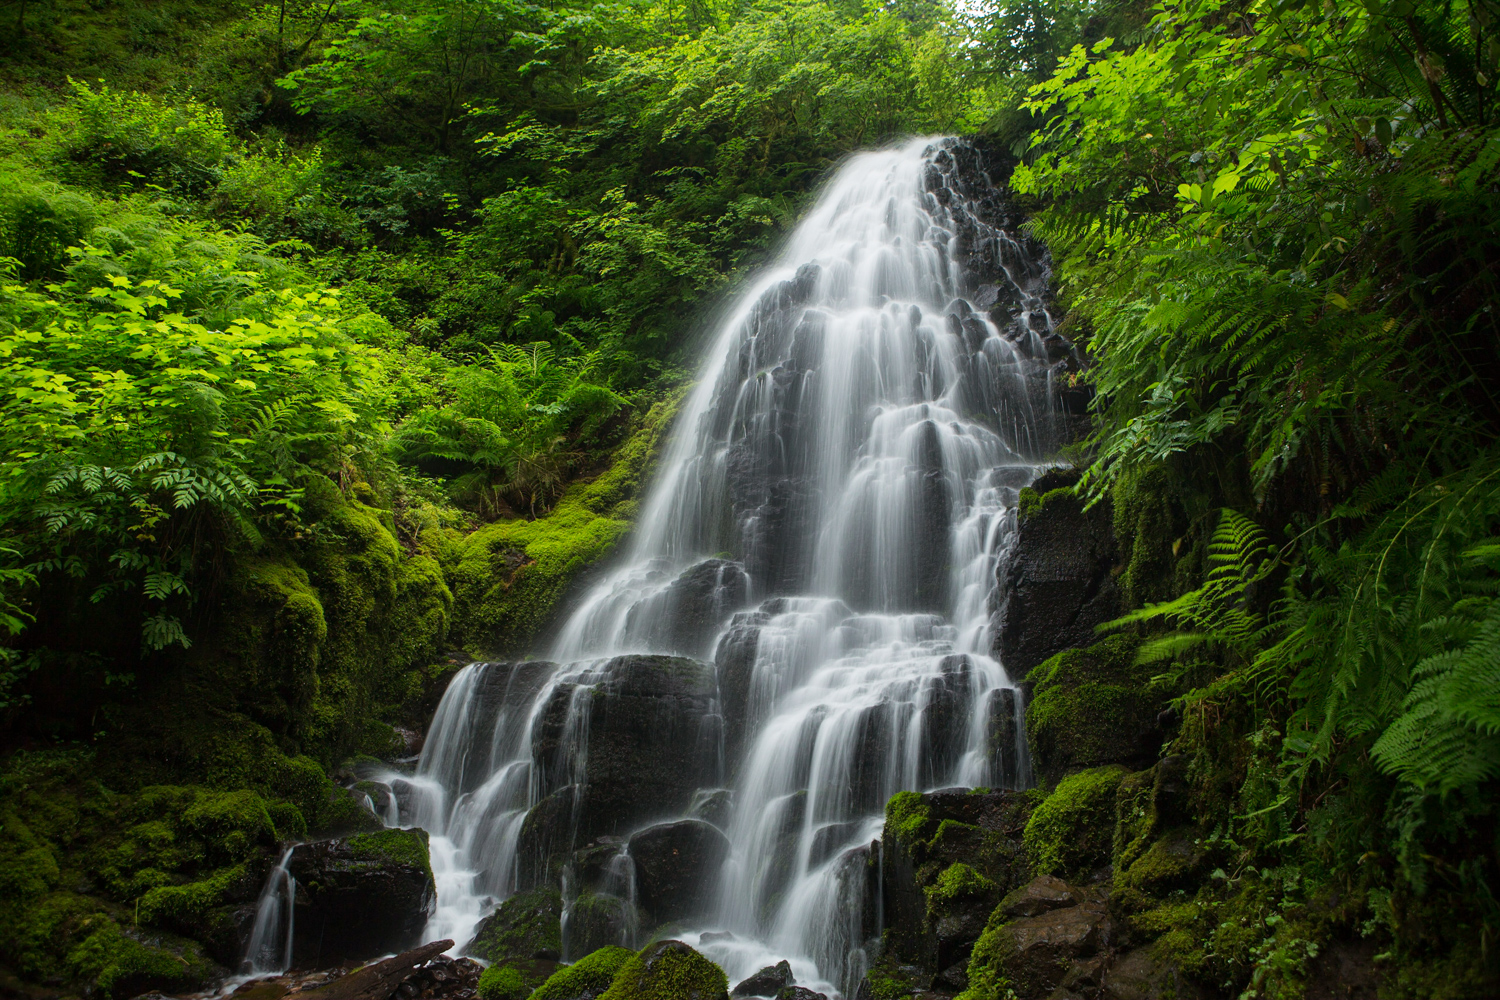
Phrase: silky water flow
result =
(835, 503)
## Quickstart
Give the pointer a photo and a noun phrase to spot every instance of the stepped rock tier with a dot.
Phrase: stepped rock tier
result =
(801, 625)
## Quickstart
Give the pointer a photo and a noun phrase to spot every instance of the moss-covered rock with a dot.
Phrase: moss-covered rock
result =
(1071, 833)
(947, 858)
(359, 897)
(509, 577)
(503, 982)
(668, 970)
(528, 925)
(590, 976)
(1030, 956)
(121, 962)
(1091, 707)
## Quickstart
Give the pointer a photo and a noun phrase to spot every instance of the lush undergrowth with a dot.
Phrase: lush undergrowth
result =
(1274, 227)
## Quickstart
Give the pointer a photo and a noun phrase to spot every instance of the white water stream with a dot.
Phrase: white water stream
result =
(855, 440)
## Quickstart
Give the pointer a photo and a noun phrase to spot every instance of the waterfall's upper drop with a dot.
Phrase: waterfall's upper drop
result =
(850, 404)
(800, 626)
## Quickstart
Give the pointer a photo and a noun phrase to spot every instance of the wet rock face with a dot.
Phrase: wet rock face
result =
(638, 743)
(1057, 582)
(768, 982)
(677, 865)
(360, 896)
(1036, 953)
(1092, 707)
(690, 612)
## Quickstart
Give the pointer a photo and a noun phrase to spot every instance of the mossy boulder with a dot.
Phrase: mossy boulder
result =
(947, 859)
(668, 970)
(587, 978)
(1091, 707)
(360, 897)
(1071, 833)
(598, 920)
(526, 926)
(1032, 956)
(123, 961)
(503, 982)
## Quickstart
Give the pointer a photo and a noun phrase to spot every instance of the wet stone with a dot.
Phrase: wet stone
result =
(768, 982)
(1041, 895)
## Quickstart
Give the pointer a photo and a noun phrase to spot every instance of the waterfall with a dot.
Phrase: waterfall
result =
(269, 952)
(825, 529)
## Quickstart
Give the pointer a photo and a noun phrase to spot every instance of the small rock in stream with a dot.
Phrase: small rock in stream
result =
(768, 982)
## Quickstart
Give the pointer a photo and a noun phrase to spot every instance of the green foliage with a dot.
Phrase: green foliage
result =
(519, 423)
(591, 974)
(131, 137)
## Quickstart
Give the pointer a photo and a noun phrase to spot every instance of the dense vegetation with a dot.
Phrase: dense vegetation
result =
(320, 324)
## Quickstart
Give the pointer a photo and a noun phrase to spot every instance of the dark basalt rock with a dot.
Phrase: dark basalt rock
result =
(1057, 581)
(677, 864)
(692, 610)
(652, 741)
(360, 897)
(799, 993)
(1042, 894)
(768, 982)
(595, 920)
(1140, 975)
(1038, 951)
(378, 980)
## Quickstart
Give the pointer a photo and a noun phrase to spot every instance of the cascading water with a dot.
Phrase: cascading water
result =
(826, 528)
(270, 949)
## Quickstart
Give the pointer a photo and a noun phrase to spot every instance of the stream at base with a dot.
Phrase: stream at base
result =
(825, 532)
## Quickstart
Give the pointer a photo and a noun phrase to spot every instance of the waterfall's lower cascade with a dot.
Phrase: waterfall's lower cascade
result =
(801, 627)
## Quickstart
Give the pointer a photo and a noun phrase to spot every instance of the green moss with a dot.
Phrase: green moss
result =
(180, 907)
(591, 974)
(988, 979)
(503, 982)
(906, 816)
(887, 980)
(1091, 706)
(668, 970)
(1170, 864)
(509, 576)
(1069, 834)
(402, 847)
(525, 924)
(1149, 523)
(1031, 502)
(119, 964)
(957, 882)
